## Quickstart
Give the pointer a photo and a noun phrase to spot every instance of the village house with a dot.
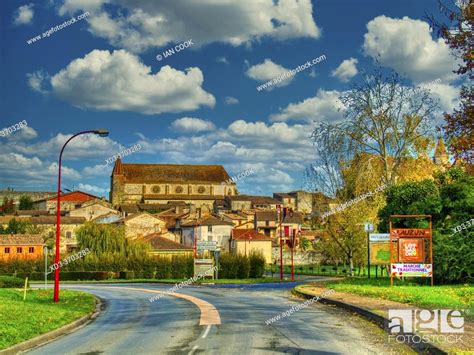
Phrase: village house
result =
(266, 222)
(21, 246)
(93, 209)
(209, 228)
(248, 241)
(142, 224)
(162, 246)
(285, 199)
(199, 185)
(247, 202)
(69, 201)
(239, 220)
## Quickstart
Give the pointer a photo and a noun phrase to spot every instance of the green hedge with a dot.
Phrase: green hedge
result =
(176, 267)
(11, 282)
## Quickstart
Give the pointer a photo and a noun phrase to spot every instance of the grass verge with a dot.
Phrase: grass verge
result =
(443, 296)
(22, 320)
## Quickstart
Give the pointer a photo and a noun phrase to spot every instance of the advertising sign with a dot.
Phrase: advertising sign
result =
(412, 270)
(204, 267)
(411, 233)
(411, 250)
(380, 253)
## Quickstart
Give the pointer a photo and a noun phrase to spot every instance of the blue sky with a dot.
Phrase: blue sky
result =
(200, 105)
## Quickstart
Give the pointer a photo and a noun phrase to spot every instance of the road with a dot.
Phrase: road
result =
(131, 324)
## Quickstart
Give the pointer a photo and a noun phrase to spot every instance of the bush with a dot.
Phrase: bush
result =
(257, 265)
(87, 275)
(243, 267)
(11, 282)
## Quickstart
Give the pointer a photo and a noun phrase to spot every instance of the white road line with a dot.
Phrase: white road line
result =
(206, 332)
(192, 351)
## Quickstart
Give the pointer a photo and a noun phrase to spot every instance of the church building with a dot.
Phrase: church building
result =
(200, 185)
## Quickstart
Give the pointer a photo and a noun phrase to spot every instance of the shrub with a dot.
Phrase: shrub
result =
(243, 266)
(257, 265)
(11, 282)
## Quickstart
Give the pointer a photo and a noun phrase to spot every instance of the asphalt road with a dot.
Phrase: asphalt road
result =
(130, 324)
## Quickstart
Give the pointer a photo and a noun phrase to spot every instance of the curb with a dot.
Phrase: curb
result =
(382, 322)
(43, 339)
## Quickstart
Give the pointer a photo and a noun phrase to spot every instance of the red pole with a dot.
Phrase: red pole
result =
(281, 245)
(292, 263)
(58, 212)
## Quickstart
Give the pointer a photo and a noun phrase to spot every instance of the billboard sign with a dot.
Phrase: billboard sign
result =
(412, 270)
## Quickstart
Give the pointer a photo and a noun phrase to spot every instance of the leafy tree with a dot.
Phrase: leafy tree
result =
(26, 203)
(16, 227)
(458, 35)
(413, 197)
(103, 239)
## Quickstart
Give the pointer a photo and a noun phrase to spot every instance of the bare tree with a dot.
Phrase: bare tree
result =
(387, 118)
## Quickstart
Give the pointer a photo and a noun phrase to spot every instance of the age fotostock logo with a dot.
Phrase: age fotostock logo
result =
(439, 325)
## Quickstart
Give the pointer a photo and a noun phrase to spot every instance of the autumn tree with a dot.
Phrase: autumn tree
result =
(457, 33)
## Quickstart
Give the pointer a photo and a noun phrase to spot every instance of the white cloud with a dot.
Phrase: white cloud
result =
(190, 124)
(222, 60)
(24, 15)
(22, 134)
(322, 107)
(118, 81)
(100, 191)
(346, 70)
(406, 45)
(142, 24)
(31, 171)
(36, 81)
(268, 70)
(229, 100)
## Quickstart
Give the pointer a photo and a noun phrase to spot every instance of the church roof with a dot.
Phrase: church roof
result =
(171, 173)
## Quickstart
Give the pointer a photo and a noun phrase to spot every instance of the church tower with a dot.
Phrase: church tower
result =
(441, 157)
(116, 183)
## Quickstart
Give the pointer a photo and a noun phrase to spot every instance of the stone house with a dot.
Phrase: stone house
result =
(209, 228)
(247, 202)
(93, 209)
(286, 200)
(142, 224)
(266, 222)
(69, 201)
(21, 246)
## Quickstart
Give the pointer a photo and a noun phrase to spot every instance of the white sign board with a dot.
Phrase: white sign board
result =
(412, 270)
(206, 245)
(379, 237)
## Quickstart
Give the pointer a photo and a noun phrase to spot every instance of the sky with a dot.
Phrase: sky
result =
(114, 68)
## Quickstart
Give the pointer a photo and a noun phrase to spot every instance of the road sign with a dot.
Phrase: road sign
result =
(379, 237)
(206, 245)
(368, 227)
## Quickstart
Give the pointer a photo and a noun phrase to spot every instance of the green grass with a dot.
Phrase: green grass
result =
(173, 281)
(22, 320)
(443, 296)
(326, 270)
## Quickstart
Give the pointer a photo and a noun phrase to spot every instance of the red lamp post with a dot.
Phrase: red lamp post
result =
(103, 133)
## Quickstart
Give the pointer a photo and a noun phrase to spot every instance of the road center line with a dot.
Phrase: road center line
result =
(209, 313)
(193, 350)
(206, 332)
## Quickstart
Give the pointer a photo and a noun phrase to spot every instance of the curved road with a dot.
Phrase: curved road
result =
(131, 324)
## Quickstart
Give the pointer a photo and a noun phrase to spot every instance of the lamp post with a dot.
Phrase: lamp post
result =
(103, 133)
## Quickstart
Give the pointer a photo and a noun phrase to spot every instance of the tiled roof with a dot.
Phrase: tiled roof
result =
(282, 195)
(52, 220)
(129, 208)
(206, 221)
(234, 216)
(266, 216)
(170, 173)
(158, 242)
(31, 213)
(248, 234)
(74, 196)
(254, 199)
(297, 217)
(21, 239)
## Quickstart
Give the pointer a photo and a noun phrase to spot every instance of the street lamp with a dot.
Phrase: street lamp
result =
(102, 133)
